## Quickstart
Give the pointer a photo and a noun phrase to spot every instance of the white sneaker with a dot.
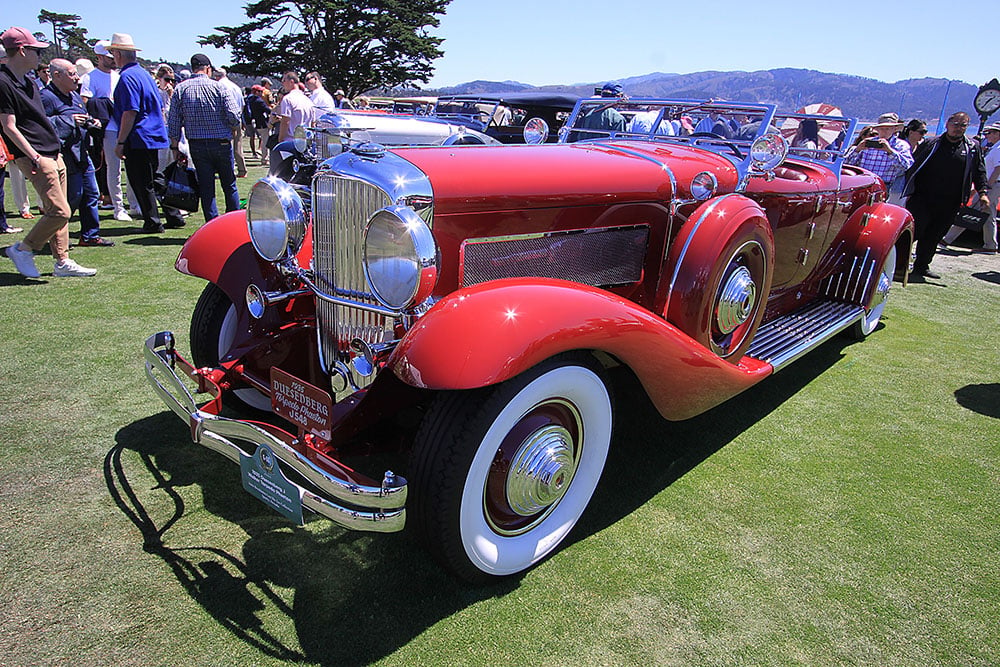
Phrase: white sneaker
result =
(24, 261)
(122, 216)
(70, 269)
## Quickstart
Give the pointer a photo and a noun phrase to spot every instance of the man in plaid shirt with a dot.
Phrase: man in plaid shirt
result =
(884, 153)
(210, 117)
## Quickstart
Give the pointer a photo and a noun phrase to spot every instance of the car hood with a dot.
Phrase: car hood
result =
(481, 178)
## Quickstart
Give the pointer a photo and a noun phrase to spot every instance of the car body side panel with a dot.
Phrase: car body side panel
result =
(491, 332)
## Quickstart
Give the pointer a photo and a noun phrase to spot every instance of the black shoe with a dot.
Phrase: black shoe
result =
(152, 229)
(96, 242)
(174, 224)
(927, 273)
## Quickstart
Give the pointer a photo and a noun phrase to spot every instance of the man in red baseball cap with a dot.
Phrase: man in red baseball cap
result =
(36, 148)
(15, 38)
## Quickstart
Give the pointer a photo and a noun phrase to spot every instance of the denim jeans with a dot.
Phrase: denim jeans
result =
(84, 195)
(211, 157)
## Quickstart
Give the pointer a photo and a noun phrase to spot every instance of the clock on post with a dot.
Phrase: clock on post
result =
(987, 101)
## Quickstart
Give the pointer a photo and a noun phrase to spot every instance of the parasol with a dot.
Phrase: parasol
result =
(828, 132)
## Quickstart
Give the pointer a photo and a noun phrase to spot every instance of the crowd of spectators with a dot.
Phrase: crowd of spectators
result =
(69, 128)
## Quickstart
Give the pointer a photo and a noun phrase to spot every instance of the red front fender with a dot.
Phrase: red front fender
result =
(206, 252)
(220, 252)
(493, 331)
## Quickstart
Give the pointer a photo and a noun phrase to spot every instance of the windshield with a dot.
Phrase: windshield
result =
(728, 128)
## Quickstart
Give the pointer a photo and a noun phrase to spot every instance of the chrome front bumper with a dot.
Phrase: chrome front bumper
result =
(378, 508)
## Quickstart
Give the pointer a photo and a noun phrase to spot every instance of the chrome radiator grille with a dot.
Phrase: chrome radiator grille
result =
(341, 207)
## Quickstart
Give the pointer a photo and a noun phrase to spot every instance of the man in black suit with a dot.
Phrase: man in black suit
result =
(943, 173)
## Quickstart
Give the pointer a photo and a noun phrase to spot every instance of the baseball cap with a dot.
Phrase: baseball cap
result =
(101, 47)
(611, 89)
(200, 60)
(16, 37)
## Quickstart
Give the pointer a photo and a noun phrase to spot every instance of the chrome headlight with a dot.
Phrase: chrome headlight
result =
(400, 257)
(300, 138)
(276, 219)
(768, 151)
(536, 131)
(703, 185)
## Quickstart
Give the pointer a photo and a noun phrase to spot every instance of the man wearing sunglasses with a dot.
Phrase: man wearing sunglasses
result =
(991, 134)
(944, 171)
(33, 141)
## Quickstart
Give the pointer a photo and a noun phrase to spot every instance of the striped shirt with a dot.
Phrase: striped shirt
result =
(204, 109)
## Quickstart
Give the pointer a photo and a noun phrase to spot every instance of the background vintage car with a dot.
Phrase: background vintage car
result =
(512, 118)
(483, 293)
(295, 160)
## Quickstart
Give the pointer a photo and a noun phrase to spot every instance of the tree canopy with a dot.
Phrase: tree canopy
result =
(356, 45)
(68, 39)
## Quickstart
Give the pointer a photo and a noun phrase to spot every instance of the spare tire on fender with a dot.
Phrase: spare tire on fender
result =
(720, 267)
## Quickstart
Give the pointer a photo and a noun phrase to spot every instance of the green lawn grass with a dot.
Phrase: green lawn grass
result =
(842, 512)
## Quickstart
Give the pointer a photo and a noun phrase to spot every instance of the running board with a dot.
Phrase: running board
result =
(785, 339)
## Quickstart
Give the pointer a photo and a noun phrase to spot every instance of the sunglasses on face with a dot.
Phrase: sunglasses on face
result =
(919, 131)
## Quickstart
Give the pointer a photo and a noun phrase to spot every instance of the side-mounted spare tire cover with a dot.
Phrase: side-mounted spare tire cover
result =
(720, 269)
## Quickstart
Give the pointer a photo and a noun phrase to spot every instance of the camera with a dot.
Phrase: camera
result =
(91, 123)
(872, 143)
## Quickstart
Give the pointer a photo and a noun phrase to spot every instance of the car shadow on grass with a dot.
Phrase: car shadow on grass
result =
(358, 596)
(649, 453)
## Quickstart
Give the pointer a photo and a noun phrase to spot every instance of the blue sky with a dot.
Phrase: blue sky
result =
(558, 41)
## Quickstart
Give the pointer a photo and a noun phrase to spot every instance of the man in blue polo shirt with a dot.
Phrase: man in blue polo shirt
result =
(141, 132)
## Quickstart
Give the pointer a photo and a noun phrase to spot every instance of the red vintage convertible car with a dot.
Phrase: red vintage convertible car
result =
(487, 289)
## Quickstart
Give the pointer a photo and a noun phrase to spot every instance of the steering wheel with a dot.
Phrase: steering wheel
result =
(722, 140)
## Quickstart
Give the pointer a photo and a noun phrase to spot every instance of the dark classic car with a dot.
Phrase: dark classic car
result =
(485, 291)
(512, 118)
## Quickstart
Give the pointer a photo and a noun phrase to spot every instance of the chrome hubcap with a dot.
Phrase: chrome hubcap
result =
(736, 300)
(541, 471)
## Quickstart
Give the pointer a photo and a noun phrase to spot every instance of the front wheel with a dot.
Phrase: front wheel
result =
(500, 475)
(213, 332)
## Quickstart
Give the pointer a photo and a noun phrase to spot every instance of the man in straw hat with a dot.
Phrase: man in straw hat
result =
(884, 153)
(992, 162)
(944, 171)
(31, 138)
(141, 130)
(97, 89)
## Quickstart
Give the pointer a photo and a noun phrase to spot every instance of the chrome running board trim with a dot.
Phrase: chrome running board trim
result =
(783, 340)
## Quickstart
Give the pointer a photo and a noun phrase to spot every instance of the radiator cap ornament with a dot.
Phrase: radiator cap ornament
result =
(369, 150)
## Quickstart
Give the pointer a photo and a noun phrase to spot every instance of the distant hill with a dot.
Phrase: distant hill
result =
(788, 88)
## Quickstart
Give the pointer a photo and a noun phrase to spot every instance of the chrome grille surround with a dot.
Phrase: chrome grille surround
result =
(345, 193)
